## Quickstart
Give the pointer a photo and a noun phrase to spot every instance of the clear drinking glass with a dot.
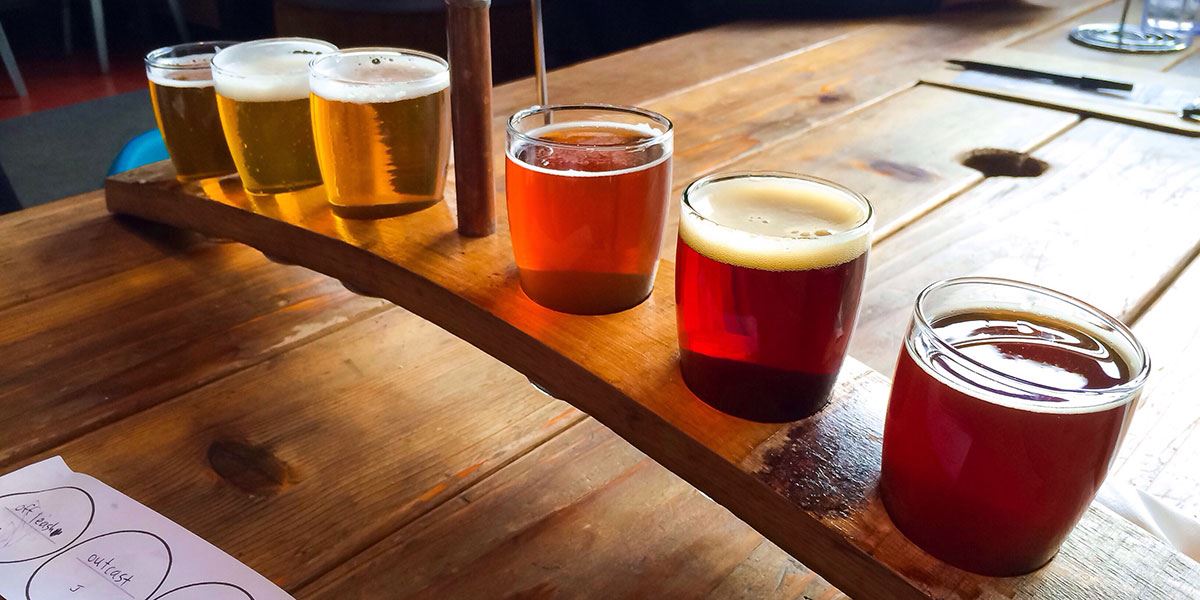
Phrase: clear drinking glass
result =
(1007, 408)
(1175, 17)
(587, 189)
(185, 107)
(769, 273)
(262, 97)
(381, 121)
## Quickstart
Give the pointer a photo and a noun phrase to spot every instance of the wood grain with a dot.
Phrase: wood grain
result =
(1187, 65)
(53, 247)
(631, 384)
(908, 166)
(297, 464)
(1159, 96)
(94, 336)
(1067, 229)
(752, 110)
(1161, 454)
(1053, 40)
(559, 521)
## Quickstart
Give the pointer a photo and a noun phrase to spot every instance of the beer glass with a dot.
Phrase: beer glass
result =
(185, 106)
(262, 97)
(381, 121)
(587, 188)
(1007, 407)
(768, 276)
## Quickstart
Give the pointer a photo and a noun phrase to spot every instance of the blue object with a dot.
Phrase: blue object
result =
(143, 149)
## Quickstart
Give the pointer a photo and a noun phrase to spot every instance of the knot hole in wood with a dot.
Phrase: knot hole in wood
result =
(998, 162)
(253, 469)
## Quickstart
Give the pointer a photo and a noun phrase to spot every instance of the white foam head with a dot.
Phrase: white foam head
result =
(183, 72)
(643, 133)
(377, 75)
(775, 222)
(270, 70)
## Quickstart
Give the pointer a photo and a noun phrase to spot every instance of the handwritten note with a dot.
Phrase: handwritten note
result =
(67, 536)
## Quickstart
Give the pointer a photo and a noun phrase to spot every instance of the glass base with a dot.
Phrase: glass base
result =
(1132, 40)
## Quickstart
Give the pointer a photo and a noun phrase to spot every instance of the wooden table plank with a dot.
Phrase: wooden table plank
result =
(1187, 65)
(1108, 186)
(561, 520)
(1161, 454)
(1053, 40)
(297, 464)
(56, 246)
(907, 168)
(642, 74)
(105, 348)
(752, 110)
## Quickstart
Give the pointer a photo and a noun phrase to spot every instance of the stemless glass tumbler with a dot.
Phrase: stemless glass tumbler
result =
(185, 106)
(1007, 408)
(587, 188)
(769, 273)
(381, 121)
(262, 96)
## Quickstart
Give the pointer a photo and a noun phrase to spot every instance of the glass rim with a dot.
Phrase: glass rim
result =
(226, 72)
(154, 56)
(1121, 393)
(867, 221)
(534, 110)
(344, 52)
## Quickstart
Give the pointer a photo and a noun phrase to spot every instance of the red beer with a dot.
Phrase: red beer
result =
(769, 273)
(587, 190)
(1008, 405)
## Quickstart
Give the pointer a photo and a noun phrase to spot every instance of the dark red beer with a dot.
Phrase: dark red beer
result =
(769, 273)
(1003, 421)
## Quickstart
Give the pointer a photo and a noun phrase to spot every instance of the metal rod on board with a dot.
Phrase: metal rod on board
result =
(539, 53)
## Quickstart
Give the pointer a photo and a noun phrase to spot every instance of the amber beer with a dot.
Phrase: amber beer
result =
(588, 187)
(769, 272)
(262, 97)
(185, 107)
(381, 121)
(1007, 408)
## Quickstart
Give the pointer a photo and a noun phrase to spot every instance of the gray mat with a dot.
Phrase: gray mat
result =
(65, 151)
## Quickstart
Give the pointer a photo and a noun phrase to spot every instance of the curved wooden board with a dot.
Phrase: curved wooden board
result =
(808, 486)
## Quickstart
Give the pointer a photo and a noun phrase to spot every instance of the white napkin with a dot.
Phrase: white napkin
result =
(1161, 520)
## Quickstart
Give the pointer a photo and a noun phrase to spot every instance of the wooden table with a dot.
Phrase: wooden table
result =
(346, 448)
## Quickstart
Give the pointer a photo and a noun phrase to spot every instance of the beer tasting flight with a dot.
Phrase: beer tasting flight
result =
(1009, 400)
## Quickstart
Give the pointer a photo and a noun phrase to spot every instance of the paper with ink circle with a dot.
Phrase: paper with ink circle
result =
(122, 565)
(207, 591)
(37, 524)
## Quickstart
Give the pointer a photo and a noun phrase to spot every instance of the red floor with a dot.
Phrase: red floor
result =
(57, 81)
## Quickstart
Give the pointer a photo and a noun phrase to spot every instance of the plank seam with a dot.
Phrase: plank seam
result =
(100, 424)
(1143, 306)
(314, 585)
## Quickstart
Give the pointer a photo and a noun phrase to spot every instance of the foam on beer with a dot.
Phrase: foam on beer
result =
(775, 223)
(183, 72)
(372, 78)
(640, 132)
(266, 70)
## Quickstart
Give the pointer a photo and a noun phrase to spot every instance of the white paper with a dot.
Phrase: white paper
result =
(1155, 516)
(67, 536)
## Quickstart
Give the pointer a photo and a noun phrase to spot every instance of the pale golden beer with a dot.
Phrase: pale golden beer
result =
(381, 122)
(262, 96)
(185, 106)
